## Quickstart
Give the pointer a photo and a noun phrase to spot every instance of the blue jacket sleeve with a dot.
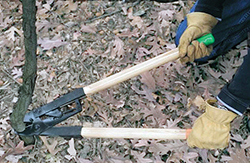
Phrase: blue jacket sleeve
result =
(212, 7)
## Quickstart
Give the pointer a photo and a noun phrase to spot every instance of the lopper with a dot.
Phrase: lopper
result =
(43, 120)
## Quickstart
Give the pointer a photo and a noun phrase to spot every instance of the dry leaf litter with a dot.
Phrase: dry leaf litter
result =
(80, 43)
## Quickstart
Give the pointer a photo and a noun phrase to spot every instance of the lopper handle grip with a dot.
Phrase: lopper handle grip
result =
(207, 39)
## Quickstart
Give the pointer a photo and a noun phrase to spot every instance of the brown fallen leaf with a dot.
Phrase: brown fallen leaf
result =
(238, 155)
(51, 76)
(11, 33)
(19, 59)
(137, 21)
(17, 72)
(190, 156)
(198, 101)
(88, 29)
(52, 147)
(142, 143)
(117, 50)
(72, 6)
(19, 149)
(71, 150)
(207, 94)
(129, 33)
(89, 51)
(47, 43)
(246, 143)
(139, 157)
(148, 79)
(141, 52)
(147, 93)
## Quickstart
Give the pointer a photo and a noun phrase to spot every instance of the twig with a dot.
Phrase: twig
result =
(11, 77)
(112, 13)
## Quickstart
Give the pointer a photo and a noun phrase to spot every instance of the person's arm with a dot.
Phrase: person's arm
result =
(200, 22)
(212, 7)
(235, 95)
(211, 129)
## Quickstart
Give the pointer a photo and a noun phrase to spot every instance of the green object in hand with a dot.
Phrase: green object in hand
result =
(206, 39)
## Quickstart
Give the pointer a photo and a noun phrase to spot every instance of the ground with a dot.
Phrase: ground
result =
(80, 43)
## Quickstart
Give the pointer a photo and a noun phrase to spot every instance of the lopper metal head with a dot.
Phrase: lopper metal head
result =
(42, 120)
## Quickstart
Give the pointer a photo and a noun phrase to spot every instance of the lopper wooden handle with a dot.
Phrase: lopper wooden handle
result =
(139, 133)
(140, 68)
(131, 72)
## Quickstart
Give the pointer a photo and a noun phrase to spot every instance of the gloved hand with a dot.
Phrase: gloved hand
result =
(198, 24)
(211, 129)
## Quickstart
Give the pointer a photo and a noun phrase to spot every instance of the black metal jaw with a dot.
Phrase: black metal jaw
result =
(43, 119)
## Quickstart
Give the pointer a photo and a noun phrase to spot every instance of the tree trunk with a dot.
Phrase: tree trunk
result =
(30, 67)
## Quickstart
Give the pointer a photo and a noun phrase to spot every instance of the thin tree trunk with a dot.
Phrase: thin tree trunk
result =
(30, 67)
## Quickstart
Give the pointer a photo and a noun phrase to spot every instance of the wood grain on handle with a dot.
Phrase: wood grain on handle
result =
(139, 133)
(131, 72)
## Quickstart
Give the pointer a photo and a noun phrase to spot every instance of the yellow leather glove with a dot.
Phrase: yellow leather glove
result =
(211, 129)
(198, 24)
